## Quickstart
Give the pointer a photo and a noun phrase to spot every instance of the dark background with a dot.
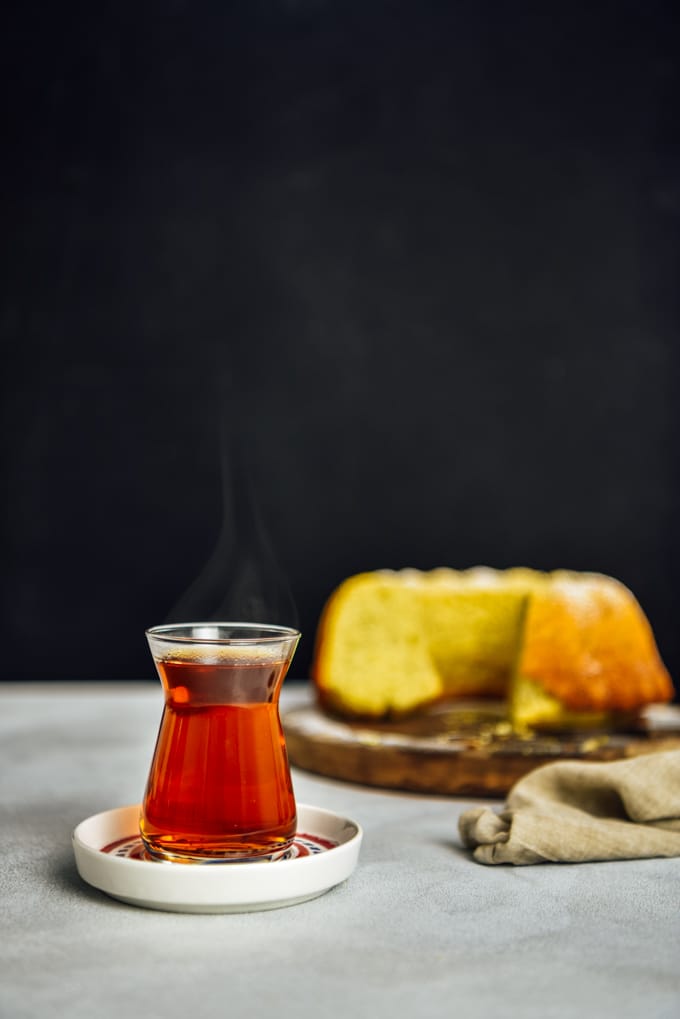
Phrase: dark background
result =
(417, 263)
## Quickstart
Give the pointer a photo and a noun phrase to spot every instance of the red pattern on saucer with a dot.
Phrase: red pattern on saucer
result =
(132, 848)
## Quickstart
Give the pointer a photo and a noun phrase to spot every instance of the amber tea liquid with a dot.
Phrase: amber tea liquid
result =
(219, 787)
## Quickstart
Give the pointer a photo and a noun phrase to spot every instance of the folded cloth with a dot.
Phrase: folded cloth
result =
(574, 811)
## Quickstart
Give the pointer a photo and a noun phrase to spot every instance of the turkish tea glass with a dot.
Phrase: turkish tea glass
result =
(219, 787)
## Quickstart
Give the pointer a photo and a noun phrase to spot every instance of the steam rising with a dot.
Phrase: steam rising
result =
(242, 580)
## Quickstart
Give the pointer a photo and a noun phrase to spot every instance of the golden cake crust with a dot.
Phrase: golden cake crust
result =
(589, 644)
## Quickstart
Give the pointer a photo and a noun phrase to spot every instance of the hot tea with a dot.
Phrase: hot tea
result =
(219, 785)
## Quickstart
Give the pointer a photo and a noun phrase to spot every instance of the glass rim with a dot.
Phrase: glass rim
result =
(266, 633)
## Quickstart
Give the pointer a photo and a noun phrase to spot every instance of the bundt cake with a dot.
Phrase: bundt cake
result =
(566, 649)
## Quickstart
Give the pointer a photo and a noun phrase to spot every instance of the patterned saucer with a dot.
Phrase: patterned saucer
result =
(110, 856)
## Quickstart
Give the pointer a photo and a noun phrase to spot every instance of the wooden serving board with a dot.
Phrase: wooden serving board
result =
(467, 750)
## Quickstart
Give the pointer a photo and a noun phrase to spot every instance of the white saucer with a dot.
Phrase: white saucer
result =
(110, 856)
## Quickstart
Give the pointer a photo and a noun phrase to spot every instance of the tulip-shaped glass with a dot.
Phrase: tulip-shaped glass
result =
(219, 787)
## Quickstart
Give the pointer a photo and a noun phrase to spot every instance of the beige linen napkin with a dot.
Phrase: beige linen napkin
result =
(574, 811)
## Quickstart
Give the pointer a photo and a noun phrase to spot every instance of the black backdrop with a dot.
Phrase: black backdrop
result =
(416, 262)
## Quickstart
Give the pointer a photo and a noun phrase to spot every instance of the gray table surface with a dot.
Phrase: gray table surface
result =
(419, 929)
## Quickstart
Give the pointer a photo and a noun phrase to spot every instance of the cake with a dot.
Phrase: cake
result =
(564, 649)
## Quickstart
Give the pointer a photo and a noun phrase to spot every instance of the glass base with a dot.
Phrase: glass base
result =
(235, 855)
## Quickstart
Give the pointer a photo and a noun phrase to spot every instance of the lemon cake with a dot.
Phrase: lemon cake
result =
(565, 649)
